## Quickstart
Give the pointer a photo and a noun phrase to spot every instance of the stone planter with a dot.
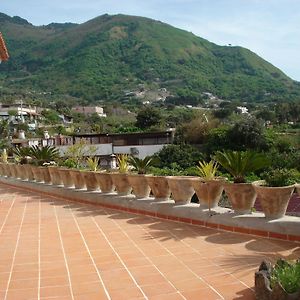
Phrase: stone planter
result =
(13, 170)
(297, 185)
(78, 179)
(6, 169)
(208, 192)
(66, 177)
(22, 172)
(38, 176)
(55, 176)
(121, 183)
(105, 182)
(90, 180)
(44, 171)
(28, 170)
(181, 188)
(263, 289)
(1, 170)
(273, 200)
(159, 187)
(241, 196)
(139, 184)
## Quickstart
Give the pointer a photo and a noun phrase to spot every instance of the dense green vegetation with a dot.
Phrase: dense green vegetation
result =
(109, 55)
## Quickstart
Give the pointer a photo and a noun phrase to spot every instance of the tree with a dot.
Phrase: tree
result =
(148, 117)
(183, 155)
(248, 134)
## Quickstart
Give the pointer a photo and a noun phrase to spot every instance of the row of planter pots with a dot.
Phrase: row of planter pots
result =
(242, 196)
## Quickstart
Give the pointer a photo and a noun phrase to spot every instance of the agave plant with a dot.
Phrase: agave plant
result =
(240, 163)
(207, 170)
(4, 156)
(123, 163)
(93, 163)
(44, 154)
(22, 154)
(140, 165)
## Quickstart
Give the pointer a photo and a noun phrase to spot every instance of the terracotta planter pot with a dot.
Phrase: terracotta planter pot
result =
(241, 195)
(38, 176)
(28, 170)
(208, 192)
(273, 200)
(181, 188)
(121, 183)
(78, 179)
(22, 172)
(7, 170)
(297, 185)
(139, 184)
(3, 167)
(90, 181)
(13, 170)
(159, 187)
(66, 177)
(45, 174)
(55, 176)
(105, 182)
(2, 170)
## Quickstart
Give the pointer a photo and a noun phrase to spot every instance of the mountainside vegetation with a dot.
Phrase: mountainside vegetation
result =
(109, 56)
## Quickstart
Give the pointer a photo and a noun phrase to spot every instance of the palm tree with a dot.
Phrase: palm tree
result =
(241, 163)
(44, 154)
(140, 165)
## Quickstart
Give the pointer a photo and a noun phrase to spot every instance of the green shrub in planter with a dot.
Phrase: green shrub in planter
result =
(281, 177)
(287, 274)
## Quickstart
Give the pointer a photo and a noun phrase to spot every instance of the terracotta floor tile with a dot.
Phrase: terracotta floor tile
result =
(23, 284)
(54, 281)
(236, 290)
(125, 294)
(58, 291)
(171, 296)
(87, 288)
(158, 289)
(22, 294)
(207, 294)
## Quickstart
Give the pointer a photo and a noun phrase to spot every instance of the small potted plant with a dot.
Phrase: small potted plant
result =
(22, 157)
(280, 282)
(275, 190)
(159, 184)
(138, 182)
(105, 182)
(120, 179)
(42, 157)
(89, 176)
(208, 187)
(241, 194)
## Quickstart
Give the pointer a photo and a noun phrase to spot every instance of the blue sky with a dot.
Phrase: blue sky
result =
(270, 28)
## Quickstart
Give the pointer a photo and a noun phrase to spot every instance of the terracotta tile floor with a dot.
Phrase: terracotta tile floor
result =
(52, 249)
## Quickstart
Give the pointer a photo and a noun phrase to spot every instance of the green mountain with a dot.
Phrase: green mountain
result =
(109, 55)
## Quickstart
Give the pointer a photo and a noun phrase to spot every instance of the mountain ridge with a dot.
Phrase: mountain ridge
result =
(102, 57)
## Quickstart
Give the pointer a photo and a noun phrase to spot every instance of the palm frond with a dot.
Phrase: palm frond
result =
(240, 163)
(140, 165)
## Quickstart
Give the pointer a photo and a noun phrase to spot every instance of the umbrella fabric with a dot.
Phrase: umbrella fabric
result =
(3, 51)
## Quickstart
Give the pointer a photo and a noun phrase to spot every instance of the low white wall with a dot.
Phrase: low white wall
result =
(101, 149)
(140, 151)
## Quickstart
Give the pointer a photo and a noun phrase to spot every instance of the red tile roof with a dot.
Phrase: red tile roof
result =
(3, 50)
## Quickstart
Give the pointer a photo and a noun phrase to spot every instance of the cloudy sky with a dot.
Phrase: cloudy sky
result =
(270, 28)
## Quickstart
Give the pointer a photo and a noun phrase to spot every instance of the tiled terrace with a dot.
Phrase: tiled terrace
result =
(54, 249)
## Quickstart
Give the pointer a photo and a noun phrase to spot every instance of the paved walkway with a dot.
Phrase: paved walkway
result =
(53, 249)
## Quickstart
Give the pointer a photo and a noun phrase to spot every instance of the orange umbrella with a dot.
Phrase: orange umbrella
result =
(3, 50)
